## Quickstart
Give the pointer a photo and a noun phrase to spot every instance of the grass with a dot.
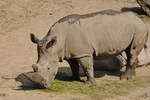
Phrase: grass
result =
(131, 0)
(106, 87)
(143, 16)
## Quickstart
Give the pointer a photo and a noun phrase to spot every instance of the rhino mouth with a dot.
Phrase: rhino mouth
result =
(36, 78)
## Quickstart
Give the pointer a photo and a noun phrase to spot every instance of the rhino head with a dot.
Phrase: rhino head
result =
(46, 67)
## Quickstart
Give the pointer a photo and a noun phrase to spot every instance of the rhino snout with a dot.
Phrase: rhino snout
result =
(35, 67)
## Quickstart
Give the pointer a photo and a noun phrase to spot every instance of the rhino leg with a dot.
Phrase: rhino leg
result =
(75, 69)
(130, 69)
(87, 64)
(132, 61)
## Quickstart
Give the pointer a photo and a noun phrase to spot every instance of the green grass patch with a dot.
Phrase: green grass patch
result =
(131, 1)
(106, 87)
(143, 16)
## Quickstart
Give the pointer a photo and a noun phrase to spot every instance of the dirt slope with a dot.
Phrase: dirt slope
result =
(18, 18)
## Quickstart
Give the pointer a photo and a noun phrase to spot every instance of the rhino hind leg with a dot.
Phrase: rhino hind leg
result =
(87, 65)
(132, 61)
(75, 69)
(130, 69)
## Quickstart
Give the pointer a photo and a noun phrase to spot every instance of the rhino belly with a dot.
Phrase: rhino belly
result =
(107, 47)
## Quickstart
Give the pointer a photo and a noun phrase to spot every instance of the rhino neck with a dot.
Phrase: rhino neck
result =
(61, 31)
(64, 53)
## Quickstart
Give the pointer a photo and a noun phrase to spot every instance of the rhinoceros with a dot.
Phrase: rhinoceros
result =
(79, 39)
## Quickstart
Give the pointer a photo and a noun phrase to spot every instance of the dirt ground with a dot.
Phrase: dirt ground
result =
(17, 53)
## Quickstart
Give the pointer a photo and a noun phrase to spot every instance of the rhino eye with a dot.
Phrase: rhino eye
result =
(51, 43)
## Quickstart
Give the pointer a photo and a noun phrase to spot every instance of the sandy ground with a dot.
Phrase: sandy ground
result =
(17, 53)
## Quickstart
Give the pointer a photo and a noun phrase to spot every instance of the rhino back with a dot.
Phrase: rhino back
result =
(102, 34)
(109, 34)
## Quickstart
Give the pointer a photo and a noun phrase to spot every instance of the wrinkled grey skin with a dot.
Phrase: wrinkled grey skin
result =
(81, 38)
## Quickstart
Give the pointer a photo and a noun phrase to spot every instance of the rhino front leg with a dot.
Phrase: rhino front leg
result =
(87, 64)
(75, 69)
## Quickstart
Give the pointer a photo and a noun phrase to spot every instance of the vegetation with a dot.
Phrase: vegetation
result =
(106, 87)
(143, 16)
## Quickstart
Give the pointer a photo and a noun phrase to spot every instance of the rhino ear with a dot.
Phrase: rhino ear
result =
(34, 39)
(52, 42)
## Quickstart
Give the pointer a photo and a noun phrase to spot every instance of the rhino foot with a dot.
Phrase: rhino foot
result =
(37, 79)
(125, 77)
(90, 82)
(133, 73)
